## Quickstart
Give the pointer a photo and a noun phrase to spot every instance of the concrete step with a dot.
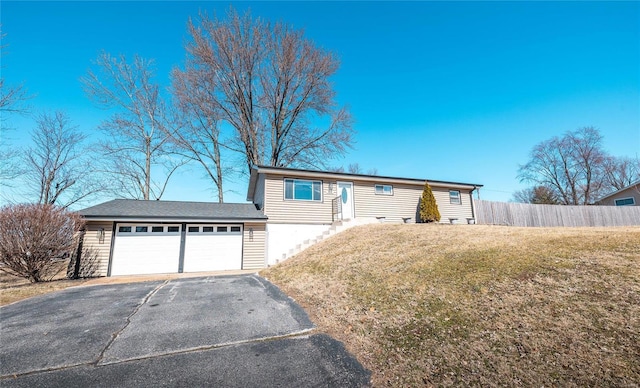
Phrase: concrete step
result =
(335, 228)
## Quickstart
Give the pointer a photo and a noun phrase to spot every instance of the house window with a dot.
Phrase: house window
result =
(124, 229)
(194, 229)
(454, 197)
(157, 229)
(384, 190)
(173, 229)
(222, 229)
(235, 228)
(207, 229)
(625, 201)
(302, 190)
(141, 229)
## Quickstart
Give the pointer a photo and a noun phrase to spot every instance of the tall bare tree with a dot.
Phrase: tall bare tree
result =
(58, 166)
(273, 88)
(571, 166)
(12, 100)
(621, 172)
(138, 132)
(199, 137)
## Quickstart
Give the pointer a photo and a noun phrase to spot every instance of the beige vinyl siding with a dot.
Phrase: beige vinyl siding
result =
(296, 212)
(258, 197)
(404, 202)
(101, 247)
(448, 210)
(254, 250)
(631, 192)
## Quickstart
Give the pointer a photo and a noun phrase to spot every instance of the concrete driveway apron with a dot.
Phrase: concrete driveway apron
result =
(213, 331)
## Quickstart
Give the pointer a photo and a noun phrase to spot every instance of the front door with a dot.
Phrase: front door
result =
(345, 192)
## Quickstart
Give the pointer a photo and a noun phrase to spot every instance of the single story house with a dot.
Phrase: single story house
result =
(288, 207)
(628, 196)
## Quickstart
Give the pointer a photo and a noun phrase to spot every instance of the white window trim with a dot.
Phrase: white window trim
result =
(382, 192)
(149, 227)
(215, 229)
(633, 201)
(455, 200)
(284, 189)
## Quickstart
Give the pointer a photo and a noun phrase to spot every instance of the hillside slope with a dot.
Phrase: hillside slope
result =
(477, 305)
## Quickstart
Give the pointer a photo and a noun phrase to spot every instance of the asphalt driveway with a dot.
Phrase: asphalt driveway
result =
(229, 331)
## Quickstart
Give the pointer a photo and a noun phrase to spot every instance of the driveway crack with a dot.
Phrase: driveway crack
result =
(304, 333)
(115, 335)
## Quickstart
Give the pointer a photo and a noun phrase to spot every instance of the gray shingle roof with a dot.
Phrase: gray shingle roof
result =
(172, 210)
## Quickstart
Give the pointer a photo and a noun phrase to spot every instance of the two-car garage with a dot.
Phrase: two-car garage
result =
(153, 237)
(145, 248)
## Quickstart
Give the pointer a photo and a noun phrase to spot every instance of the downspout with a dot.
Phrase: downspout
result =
(76, 269)
(473, 205)
(113, 243)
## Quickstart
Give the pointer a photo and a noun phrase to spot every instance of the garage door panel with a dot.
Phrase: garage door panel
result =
(149, 249)
(145, 253)
(213, 251)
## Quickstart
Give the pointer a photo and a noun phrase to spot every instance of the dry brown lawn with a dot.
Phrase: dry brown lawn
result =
(442, 305)
(14, 288)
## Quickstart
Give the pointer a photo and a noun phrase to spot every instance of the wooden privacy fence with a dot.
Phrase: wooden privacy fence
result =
(524, 214)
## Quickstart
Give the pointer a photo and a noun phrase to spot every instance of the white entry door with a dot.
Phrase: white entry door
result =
(345, 192)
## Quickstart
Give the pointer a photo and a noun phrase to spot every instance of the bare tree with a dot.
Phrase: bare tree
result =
(12, 100)
(36, 240)
(571, 166)
(621, 172)
(354, 168)
(199, 136)
(58, 167)
(137, 134)
(541, 195)
(10, 168)
(272, 86)
(585, 150)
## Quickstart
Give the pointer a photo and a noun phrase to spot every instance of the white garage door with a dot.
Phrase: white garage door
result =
(145, 249)
(213, 248)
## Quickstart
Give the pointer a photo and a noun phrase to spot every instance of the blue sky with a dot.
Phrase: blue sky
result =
(457, 91)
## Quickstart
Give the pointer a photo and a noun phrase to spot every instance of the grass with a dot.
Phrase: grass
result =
(442, 305)
(14, 288)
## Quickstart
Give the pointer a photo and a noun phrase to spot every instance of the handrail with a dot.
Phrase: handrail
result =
(336, 208)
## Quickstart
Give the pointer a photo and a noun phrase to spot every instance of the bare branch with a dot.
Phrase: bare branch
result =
(571, 166)
(58, 167)
(139, 129)
(12, 98)
(199, 137)
(270, 84)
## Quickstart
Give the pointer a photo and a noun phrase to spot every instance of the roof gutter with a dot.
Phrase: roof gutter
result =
(172, 220)
(286, 172)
